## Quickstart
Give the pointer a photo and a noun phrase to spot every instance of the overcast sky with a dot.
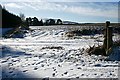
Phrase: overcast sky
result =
(66, 10)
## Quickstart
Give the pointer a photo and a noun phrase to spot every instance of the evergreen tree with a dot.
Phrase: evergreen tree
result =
(10, 20)
(59, 21)
(29, 21)
(35, 22)
(41, 22)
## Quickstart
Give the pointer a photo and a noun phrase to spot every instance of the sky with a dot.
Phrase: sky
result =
(70, 10)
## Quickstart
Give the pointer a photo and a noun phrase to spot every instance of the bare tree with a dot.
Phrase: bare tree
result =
(22, 16)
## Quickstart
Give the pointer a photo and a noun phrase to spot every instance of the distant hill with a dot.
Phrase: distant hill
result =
(69, 22)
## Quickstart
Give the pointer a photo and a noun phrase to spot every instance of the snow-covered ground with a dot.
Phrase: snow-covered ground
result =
(48, 53)
(4, 30)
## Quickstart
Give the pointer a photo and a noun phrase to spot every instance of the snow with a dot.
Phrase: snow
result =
(47, 53)
(115, 54)
(4, 30)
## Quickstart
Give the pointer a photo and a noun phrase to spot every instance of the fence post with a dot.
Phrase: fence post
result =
(108, 38)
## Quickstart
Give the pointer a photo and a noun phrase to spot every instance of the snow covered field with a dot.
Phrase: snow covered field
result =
(4, 30)
(47, 53)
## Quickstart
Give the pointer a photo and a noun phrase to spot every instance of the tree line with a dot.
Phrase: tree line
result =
(35, 22)
(9, 19)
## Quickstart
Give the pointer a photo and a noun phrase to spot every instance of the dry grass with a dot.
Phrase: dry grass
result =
(100, 49)
(96, 50)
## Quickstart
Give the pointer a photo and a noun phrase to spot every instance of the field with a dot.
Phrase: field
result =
(48, 52)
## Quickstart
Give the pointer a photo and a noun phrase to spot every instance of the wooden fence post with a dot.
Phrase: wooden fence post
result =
(108, 38)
